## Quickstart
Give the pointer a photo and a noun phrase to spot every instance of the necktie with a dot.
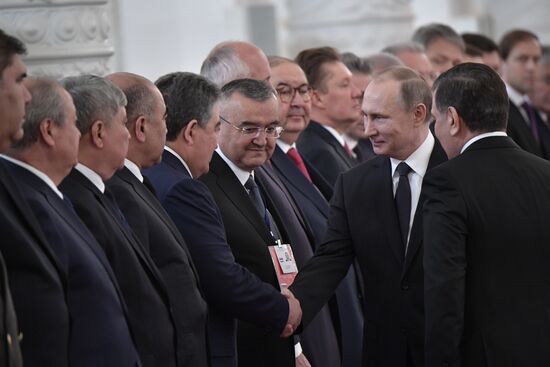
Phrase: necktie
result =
(403, 201)
(299, 162)
(256, 197)
(532, 119)
(348, 150)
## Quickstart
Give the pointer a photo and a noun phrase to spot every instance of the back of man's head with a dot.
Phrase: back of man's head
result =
(187, 97)
(9, 46)
(47, 103)
(95, 98)
(477, 93)
(480, 41)
(312, 61)
(512, 38)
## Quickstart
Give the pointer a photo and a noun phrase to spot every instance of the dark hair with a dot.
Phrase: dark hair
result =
(312, 61)
(9, 46)
(482, 42)
(356, 64)
(473, 51)
(188, 97)
(512, 38)
(95, 98)
(47, 102)
(413, 88)
(430, 32)
(478, 94)
(256, 90)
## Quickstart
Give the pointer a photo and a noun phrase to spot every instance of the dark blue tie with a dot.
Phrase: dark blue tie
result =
(256, 197)
(403, 201)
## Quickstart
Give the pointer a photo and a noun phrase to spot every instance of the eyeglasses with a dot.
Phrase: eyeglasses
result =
(286, 93)
(254, 131)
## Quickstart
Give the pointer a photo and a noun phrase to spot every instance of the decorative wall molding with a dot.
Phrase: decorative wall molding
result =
(63, 37)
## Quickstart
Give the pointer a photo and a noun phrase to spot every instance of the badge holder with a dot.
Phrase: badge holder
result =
(284, 263)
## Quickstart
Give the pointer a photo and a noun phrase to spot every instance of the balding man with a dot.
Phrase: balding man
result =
(146, 114)
(232, 60)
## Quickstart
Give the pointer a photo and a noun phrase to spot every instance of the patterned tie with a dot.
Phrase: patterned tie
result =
(532, 119)
(299, 162)
(256, 197)
(403, 201)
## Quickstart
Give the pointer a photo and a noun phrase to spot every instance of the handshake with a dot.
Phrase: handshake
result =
(294, 314)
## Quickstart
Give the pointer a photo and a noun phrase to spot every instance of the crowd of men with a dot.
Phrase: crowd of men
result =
(329, 210)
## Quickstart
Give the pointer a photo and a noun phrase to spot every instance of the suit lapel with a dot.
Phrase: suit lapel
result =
(335, 144)
(236, 193)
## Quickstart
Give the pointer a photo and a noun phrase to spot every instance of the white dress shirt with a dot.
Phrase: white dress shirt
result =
(481, 136)
(92, 176)
(132, 167)
(173, 152)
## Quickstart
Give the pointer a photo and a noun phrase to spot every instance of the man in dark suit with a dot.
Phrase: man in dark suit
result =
(35, 276)
(103, 146)
(486, 235)
(540, 96)
(231, 290)
(375, 218)
(335, 106)
(306, 185)
(246, 139)
(39, 161)
(146, 111)
(520, 51)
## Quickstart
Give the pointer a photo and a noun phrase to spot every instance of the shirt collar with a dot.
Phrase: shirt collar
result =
(92, 176)
(44, 177)
(481, 136)
(132, 167)
(173, 152)
(418, 160)
(241, 174)
(516, 97)
(335, 133)
(285, 147)
(352, 142)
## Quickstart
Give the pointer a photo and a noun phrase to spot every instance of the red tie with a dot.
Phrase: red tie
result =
(299, 162)
(348, 150)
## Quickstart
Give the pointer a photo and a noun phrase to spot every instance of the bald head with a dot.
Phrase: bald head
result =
(232, 60)
(146, 117)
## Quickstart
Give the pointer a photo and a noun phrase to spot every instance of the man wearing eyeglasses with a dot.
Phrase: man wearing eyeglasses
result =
(335, 106)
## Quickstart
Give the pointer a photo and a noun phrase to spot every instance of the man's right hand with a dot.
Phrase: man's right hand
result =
(294, 314)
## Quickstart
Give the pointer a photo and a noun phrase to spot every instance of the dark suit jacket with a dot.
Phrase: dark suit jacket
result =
(169, 251)
(35, 278)
(318, 340)
(143, 290)
(10, 352)
(230, 289)
(487, 252)
(363, 223)
(519, 130)
(99, 331)
(363, 150)
(249, 238)
(348, 310)
(324, 152)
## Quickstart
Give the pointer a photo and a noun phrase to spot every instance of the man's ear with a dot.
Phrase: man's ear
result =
(317, 99)
(455, 121)
(419, 114)
(46, 131)
(97, 133)
(139, 129)
(189, 131)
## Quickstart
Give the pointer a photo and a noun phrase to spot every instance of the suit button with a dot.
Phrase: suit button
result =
(405, 286)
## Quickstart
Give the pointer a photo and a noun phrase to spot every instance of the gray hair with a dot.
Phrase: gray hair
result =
(46, 103)
(430, 32)
(95, 98)
(356, 64)
(397, 48)
(382, 60)
(223, 65)
(256, 90)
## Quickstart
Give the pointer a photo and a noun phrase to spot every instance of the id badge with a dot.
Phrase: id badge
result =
(284, 263)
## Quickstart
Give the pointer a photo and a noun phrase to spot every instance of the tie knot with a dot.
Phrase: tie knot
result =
(403, 169)
(250, 184)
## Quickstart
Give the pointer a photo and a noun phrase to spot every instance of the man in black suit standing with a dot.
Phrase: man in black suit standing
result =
(375, 219)
(307, 187)
(335, 106)
(486, 232)
(39, 161)
(35, 277)
(146, 114)
(520, 51)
